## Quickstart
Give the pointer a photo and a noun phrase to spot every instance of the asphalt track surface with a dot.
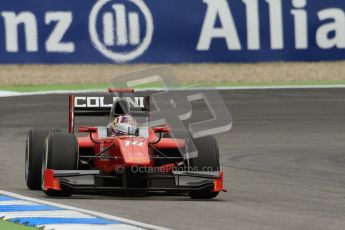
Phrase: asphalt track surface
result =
(284, 163)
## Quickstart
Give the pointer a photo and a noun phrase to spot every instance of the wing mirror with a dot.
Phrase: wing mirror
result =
(87, 129)
(162, 129)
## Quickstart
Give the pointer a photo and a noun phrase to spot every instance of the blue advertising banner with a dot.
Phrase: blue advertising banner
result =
(171, 31)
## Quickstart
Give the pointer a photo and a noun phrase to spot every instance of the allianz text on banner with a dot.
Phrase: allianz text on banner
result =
(171, 31)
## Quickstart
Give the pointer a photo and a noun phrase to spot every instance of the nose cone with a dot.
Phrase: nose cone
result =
(135, 151)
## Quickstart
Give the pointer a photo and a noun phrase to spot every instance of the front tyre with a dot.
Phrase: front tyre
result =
(207, 159)
(33, 157)
(61, 153)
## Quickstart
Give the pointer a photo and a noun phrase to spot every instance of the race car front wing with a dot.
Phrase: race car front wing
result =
(84, 181)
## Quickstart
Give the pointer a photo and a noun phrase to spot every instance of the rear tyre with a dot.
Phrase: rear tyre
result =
(61, 153)
(207, 160)
(33, 157)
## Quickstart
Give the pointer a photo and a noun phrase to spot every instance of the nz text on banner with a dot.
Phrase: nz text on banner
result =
(171, 31)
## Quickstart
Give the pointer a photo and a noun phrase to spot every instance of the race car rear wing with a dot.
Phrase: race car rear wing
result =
(96, 105)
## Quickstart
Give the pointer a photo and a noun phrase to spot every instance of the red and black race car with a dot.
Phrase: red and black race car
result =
(138, 160)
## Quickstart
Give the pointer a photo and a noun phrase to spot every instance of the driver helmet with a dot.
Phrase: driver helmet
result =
(124, 125)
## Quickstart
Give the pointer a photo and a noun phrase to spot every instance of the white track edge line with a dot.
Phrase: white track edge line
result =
(94, 213)
(16, 94)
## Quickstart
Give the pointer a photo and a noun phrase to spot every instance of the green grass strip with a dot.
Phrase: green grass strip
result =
(35, 88)
(6, 225)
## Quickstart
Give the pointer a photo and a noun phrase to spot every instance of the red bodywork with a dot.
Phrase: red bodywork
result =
(126, 151)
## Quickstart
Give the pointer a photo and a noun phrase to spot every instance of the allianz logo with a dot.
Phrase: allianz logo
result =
(120, 27)
(115, 31)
